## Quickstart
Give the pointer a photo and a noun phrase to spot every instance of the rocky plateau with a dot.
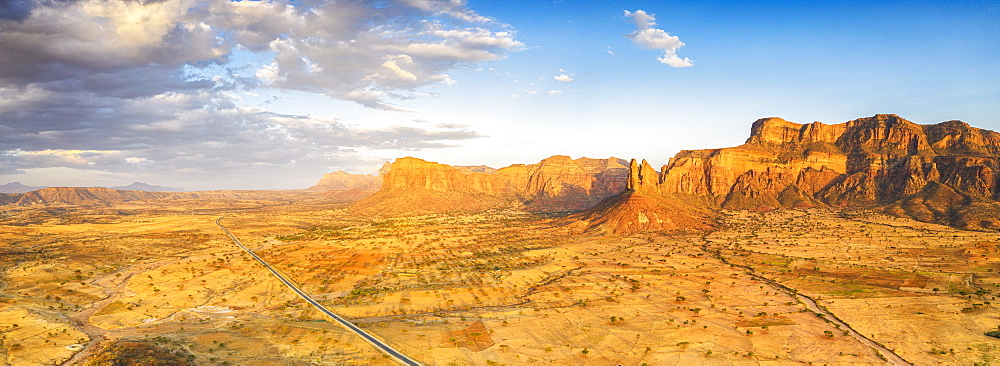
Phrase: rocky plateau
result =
(944, 173)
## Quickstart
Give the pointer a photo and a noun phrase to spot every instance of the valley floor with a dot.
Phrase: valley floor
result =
(499, 287)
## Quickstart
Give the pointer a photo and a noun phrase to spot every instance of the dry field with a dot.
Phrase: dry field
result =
(490, 288)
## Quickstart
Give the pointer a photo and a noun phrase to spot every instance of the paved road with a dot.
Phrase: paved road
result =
(398, 356)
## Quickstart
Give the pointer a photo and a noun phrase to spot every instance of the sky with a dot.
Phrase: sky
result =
(219, 94)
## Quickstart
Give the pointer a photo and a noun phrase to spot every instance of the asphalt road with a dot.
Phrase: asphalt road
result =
(385, 348)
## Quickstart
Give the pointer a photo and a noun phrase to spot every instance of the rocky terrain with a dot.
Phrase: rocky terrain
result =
(555, 184)
(945, 173)
(343, 181)
(642, 207)
(137, 281)
(797, 247)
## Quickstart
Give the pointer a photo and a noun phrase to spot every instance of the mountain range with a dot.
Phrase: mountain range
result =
(946, 173)
(18, 187)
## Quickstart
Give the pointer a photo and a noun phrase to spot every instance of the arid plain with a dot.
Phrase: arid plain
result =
(869, 242)
(497, 287)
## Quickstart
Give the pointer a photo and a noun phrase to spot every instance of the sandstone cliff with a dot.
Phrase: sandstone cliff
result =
(558, 183)
(645, 207)
(343, 181)
(879, 161)
(947, 173)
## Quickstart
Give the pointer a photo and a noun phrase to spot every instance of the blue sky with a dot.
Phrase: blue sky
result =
(215, 95)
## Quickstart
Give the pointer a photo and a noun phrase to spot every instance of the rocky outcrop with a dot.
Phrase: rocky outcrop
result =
(558, 183)
(343, 181)
(645, 207)
(947, 173)
(632, 211)
(868, 162)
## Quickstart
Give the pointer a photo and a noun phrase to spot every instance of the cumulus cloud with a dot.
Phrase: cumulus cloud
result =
(121, 85)
(647, 37)
(195, 134)
(563, 78)
(333, 47)
(361, 51)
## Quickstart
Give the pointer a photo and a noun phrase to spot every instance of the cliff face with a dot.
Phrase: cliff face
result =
(875, 161)
(645, 206)
(558, 183)
(634, 211)
(343, 181)
(947, 173)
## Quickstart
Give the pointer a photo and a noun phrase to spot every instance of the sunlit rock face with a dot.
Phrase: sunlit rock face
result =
(874, 161)
(882, 161)
(555, 184)
(343, 181)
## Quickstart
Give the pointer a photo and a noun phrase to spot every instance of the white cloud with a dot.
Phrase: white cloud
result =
(553, 92)
(563, 78)
(154, 86)
(393, 63)
(330, 47)
(641, 19)
(647, 37)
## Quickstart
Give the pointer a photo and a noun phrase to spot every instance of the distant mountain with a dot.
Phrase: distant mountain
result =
(79, 195)
(98, 196)
(17, 187)
(139, 186)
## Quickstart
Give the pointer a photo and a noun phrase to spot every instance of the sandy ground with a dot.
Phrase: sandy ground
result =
(496, 288)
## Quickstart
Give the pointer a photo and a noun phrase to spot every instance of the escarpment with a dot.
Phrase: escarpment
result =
(946, 173)
(880, 161)
(555, 184)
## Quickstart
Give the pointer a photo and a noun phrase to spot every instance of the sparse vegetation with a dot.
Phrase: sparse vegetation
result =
(440, 283)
